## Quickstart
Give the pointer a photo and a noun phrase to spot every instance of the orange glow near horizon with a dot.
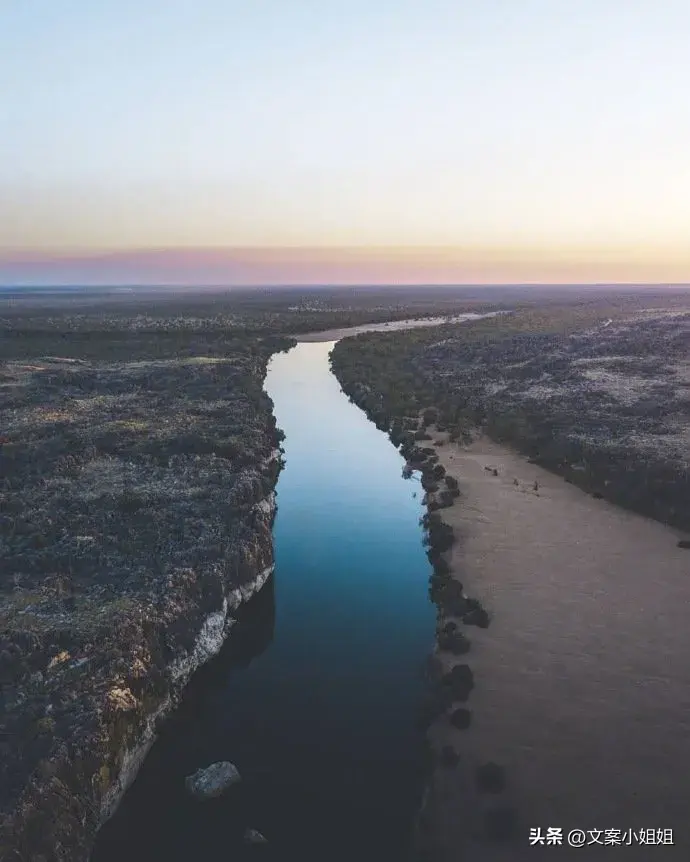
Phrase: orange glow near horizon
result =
(353, 265)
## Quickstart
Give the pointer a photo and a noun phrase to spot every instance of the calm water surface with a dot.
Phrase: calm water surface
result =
(315, 696)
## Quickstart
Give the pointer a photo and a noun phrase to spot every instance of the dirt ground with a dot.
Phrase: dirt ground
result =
(582, 679)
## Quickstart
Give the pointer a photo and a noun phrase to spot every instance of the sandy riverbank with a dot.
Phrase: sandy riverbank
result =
(582, 680)
(389, 326)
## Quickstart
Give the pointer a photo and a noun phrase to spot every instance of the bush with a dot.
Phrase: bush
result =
(429, 416)
(438, 472)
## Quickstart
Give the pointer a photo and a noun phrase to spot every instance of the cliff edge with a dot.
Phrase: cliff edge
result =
(136, 512)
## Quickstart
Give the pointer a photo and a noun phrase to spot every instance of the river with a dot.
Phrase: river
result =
(315, 696)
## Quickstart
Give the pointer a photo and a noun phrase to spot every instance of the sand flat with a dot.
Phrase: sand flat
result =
(582, 680)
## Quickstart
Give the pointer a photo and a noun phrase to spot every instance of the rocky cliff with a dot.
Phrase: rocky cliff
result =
(136, 512)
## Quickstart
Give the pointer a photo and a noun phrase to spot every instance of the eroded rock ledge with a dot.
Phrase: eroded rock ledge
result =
(101, 704)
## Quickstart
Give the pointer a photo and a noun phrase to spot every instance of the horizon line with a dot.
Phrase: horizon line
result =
(342, 285)
(477, 246)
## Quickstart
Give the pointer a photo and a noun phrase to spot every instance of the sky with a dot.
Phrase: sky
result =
(316, 141)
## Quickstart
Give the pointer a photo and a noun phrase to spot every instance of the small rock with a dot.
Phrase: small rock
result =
(213, 780)
(121, 699)
(253, 836)
(61, 657)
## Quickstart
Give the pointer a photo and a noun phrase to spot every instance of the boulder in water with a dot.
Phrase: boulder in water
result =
(213, 780)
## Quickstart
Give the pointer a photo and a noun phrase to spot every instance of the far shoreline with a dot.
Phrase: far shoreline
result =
(390, 326)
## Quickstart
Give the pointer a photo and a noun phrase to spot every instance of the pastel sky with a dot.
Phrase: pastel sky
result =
(307, 141)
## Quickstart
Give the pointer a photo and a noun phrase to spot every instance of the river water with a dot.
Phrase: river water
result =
(316, 695)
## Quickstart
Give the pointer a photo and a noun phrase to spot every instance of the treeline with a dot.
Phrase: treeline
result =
(259, 313)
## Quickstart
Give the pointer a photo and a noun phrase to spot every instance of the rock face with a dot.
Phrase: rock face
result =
(213, 780)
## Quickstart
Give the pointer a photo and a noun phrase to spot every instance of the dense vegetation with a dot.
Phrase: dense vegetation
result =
(258, 312)
(598, 391)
